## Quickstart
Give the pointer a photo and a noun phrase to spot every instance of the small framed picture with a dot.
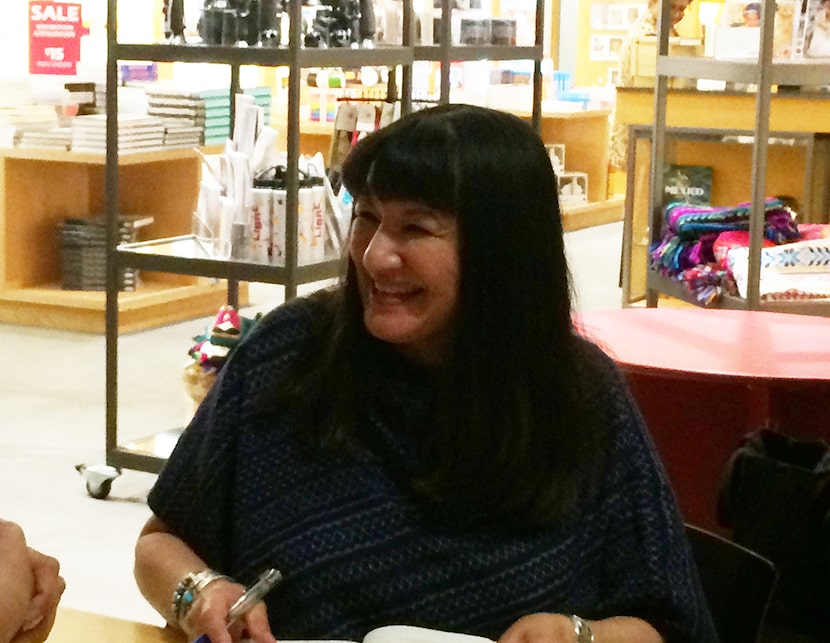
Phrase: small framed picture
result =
(617, 16)
(615, 44)
(600, 47)
(598, 14)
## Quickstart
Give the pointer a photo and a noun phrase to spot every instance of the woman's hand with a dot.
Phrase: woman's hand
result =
(540, 628)
(209, 612)
(31, 588)
(558, 628)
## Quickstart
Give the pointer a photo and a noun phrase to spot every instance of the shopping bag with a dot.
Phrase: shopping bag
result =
(775, 496)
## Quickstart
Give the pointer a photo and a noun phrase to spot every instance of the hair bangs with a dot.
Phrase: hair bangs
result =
(418, 166)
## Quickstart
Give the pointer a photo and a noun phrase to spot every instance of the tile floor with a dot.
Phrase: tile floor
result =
(52, 410)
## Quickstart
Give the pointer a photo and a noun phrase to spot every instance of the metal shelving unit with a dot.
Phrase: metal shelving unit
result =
(764, 73)
(183, 254)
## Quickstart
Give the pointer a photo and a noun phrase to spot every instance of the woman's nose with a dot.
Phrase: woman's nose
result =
(382, 252)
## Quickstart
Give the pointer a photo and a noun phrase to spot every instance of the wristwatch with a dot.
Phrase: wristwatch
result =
(582, 630)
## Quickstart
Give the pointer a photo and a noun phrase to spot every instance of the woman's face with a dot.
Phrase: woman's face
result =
(407, 263)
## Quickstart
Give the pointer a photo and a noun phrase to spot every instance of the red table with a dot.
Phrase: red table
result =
(703, 378)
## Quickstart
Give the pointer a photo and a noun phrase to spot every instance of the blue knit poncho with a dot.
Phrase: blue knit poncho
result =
(359, 550)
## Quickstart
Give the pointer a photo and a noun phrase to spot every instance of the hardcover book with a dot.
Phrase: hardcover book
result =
(687, 183)
(408, 634)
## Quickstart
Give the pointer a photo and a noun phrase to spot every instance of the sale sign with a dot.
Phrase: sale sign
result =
(55, 30)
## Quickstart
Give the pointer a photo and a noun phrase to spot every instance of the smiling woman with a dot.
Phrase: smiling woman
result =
(406, 262)
(429, 442)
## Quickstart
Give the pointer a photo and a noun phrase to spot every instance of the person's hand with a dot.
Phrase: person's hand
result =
(540, 628)
(48, 588)
(30, 588)
(208, 615)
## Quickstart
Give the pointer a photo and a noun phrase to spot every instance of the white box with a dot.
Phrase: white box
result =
(573, 187)
(556, 152)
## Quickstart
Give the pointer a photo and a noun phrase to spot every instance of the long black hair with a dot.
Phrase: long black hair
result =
(517, 429)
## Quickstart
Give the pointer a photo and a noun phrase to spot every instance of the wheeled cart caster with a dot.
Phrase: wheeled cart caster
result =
(99, 478)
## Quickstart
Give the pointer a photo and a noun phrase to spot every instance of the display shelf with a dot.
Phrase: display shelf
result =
(264, 56)
(152, 304)
(674, 289)
(175, 251)
(188, 255)
(801, 111)
(586, 215)
(798, 163)
(795, 72)
(313, 57)
(763, 73)
(478, 52)
(85, 158)
(42, 187)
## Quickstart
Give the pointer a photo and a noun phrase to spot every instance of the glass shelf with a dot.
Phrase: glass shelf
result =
(189, 255)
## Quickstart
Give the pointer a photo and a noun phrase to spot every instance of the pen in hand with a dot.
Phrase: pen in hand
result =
(252, 597)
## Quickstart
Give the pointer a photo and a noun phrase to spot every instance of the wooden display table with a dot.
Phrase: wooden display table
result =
(586, 137)
(72, 626)
(40, 188)
(705, 378)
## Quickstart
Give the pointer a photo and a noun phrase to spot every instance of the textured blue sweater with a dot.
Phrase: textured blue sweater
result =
(358, 549)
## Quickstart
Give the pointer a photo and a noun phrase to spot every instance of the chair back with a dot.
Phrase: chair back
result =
(738, 584)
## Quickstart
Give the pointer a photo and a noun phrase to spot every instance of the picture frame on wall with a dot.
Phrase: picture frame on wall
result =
(621, 17)
(598, 14)
(600, 47)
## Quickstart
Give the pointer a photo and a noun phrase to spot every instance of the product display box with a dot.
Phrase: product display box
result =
(556, 152)
(573, 187)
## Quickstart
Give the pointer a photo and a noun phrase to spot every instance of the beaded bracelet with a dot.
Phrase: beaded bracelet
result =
(189, 588)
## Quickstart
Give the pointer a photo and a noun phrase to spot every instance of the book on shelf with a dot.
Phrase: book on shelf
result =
(815, 32)
(738, 34)
(687, 183)
(405, 634)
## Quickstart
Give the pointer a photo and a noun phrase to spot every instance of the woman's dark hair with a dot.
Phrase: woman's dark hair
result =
(517, 430)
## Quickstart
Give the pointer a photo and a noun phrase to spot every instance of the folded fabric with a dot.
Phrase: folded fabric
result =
(691, 221)
(730, 239)
(798, 257)
(776, 283)
(687, 225)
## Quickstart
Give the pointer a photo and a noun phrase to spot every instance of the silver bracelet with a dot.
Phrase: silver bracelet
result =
(582, 629)
(189, 588)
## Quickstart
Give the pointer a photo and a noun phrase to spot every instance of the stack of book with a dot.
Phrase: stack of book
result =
(206, 109)
(100, 98)
(180, 134)
(135, 133)
(189, 108)
(83, 251)
(55, 138)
